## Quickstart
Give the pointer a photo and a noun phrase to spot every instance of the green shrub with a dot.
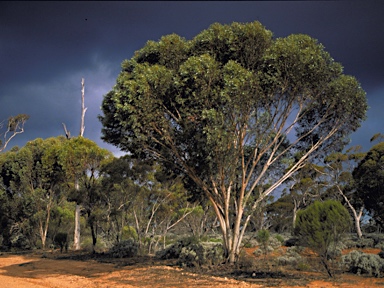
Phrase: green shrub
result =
(291, 257)
(280, 238)
(275, 243)
(192, 253)
(321, 226)
(61, 240)
(362, 263)
(364, 243)
(378, 238)
(263, 237)
(125, 249)
(204, 253)
(263, 251)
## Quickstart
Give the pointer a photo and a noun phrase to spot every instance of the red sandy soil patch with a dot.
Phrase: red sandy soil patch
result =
(33, 270)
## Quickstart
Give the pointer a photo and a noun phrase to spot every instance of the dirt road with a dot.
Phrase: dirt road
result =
(33, 271)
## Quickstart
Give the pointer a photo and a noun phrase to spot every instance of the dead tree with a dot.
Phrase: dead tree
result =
(76, 236)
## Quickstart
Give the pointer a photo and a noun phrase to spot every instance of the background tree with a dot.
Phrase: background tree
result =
(338, 170)
(220, 108)
(14, 126)
(16, 208)
(321, 226)
(81, 160)
(36, 177)
(369, 178)
(305, 187)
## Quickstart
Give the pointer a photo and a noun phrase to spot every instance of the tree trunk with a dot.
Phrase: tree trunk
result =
(94, 236)
(294, 216)
(356, 216)
(76, 237)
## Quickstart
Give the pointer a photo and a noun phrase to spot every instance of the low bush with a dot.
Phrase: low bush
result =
(291, 242)
(365, 243)
(192, 253)
(61, 240)
(204, 253)
(263, 251)
(362, 263)
(173, 251)
(291, 257)
(124, 249)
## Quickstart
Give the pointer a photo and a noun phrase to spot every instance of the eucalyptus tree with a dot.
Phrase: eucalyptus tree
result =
(305, 186)
(35, 178)
(338, 168)
(16, 209)
(228, 108)
(369, 179)
(82, 160)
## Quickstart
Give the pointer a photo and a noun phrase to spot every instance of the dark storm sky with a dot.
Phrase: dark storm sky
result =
(47, 47)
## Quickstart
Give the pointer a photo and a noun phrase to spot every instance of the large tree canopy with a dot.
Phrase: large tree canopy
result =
(229, 109)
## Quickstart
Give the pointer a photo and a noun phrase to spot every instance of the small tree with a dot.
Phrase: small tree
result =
(263, 238)
(321, 225)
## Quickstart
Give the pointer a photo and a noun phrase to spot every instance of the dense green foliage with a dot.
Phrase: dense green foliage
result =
(219, 110)
(369, 176)
(321, 226)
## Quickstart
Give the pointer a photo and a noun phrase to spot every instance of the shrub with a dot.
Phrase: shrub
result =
(173, 251)
(291, 242)
(364, 243)
(263, 251)
(321, 226)
(275, 243)
(362, 263)
(378, 238)
(61, 239)
(280, 238)
(204, 253)
(124, 249)
(263, 237)
(192, 253)
(291, 257)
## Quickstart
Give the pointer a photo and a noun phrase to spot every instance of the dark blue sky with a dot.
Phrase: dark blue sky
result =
(47, 47)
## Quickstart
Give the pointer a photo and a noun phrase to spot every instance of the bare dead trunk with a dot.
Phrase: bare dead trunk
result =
(76, 237)
(83, 109)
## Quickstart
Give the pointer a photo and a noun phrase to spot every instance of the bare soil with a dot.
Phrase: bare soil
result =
(53, 269)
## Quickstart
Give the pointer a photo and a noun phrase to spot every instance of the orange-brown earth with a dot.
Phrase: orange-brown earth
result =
(59, 270)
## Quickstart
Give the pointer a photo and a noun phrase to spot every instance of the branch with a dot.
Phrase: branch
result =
(15, 126)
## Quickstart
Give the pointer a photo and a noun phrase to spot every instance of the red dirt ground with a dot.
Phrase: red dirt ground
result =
(33, 270)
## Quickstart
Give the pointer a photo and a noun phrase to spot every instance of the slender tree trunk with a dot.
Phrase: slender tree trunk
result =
(356, 216)
(94, 235)
(294, 216)
(76, 237)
